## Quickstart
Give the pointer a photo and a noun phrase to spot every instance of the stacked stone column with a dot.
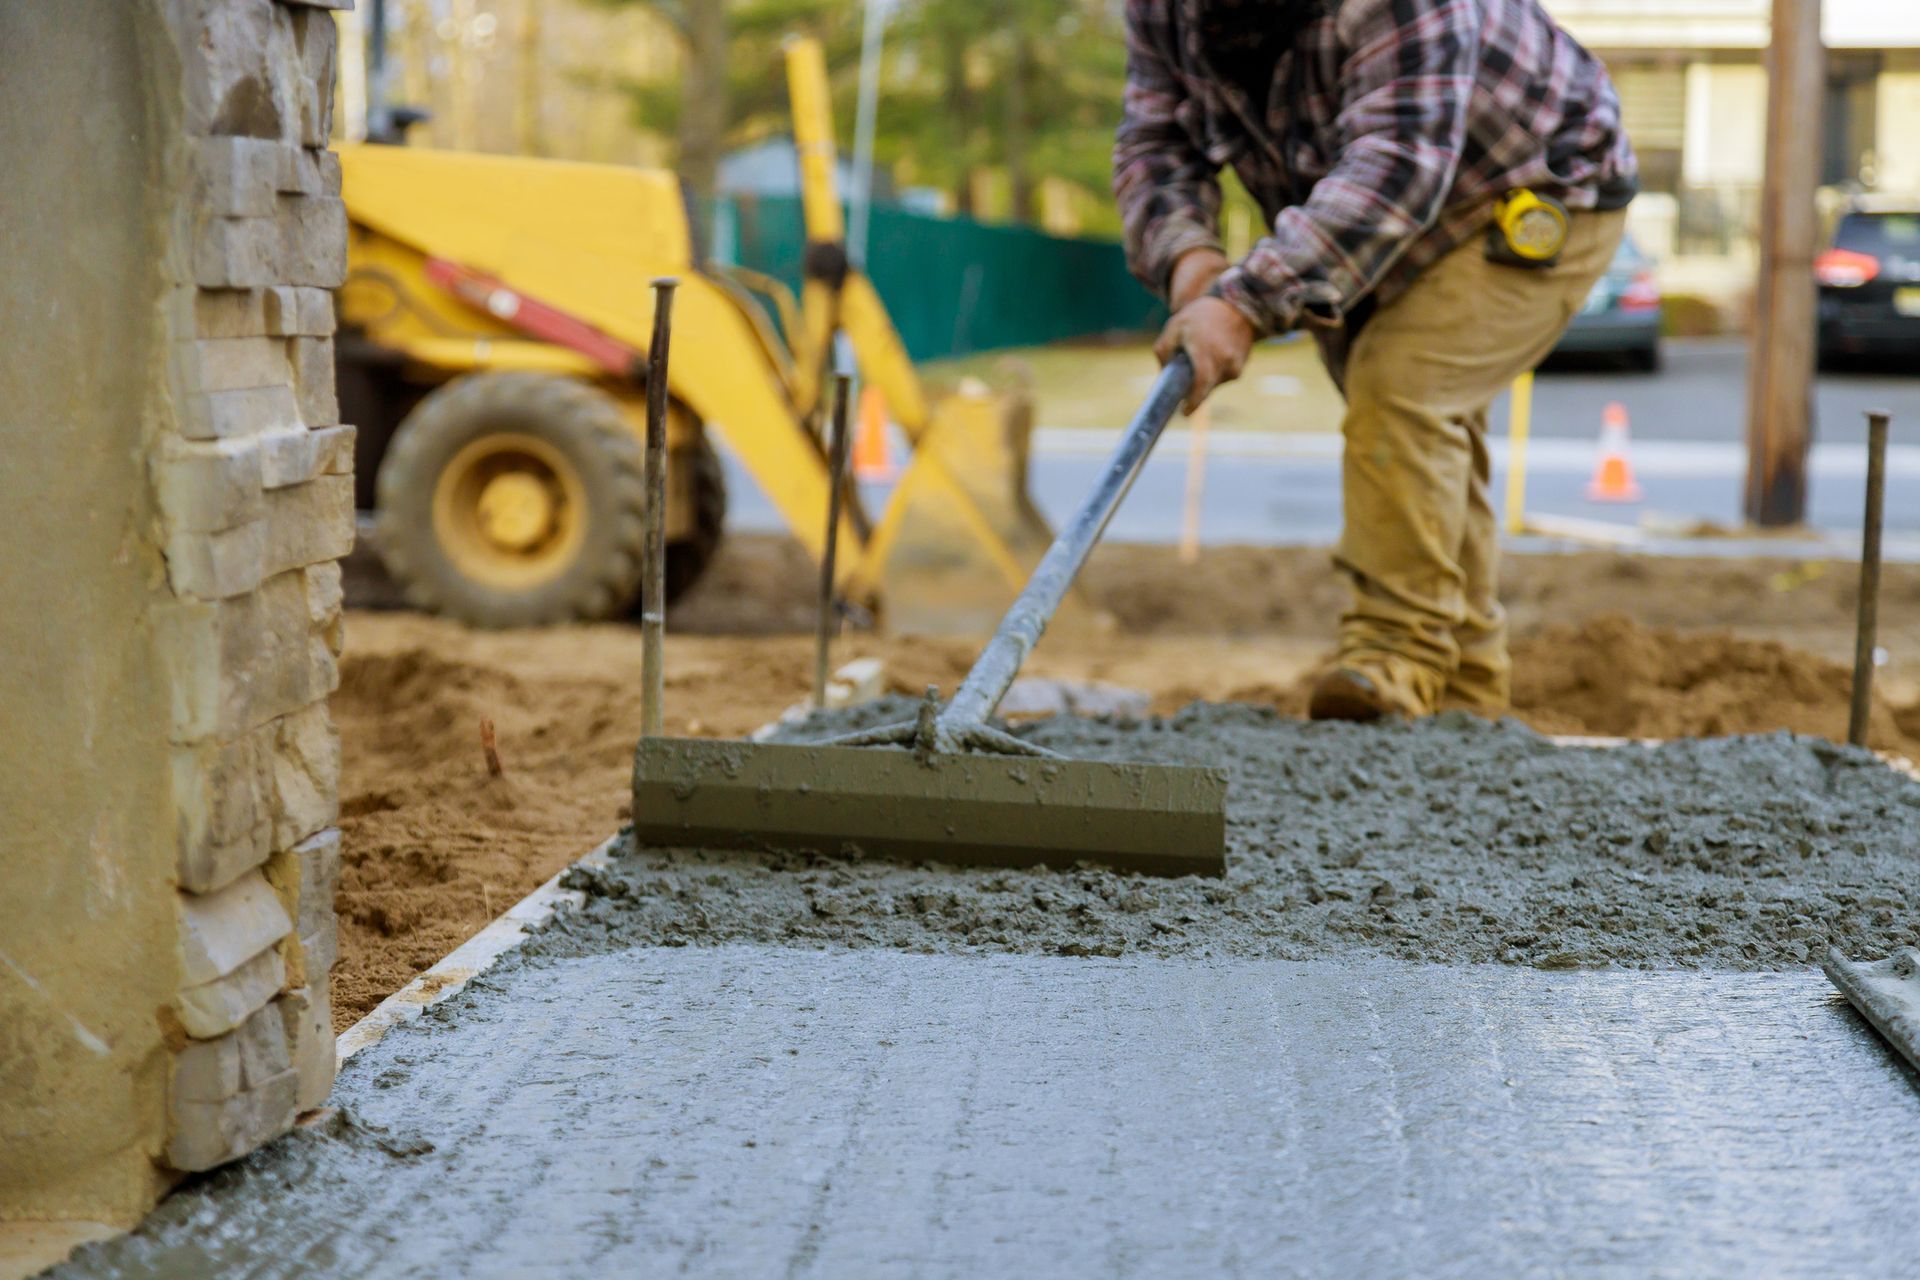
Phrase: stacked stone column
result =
(255, 489)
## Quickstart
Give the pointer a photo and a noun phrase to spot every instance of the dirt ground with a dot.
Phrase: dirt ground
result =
(435, 847)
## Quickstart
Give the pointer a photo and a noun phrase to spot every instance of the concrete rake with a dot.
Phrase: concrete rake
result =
(947, 786)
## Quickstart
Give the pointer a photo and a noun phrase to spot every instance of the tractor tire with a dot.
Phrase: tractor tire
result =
(688, 557)
(513, 500)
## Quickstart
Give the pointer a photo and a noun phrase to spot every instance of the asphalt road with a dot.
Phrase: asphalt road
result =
(1701, 394)
(1687, 424)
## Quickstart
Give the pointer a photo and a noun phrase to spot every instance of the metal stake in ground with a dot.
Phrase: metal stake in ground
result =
(1866, 635)
(653, 577)
(836, 477)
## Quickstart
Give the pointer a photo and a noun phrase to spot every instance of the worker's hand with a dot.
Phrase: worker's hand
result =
(1215, 336)
(1193, 275)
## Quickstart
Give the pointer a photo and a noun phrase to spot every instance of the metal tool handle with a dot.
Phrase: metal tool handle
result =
(1029, 615)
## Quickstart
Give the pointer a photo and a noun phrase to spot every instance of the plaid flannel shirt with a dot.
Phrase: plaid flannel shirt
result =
(1390, 128)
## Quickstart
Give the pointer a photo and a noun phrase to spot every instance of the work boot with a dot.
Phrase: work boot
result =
(1483, 681)
(1344, 694)
(1369, 686)
(1473, 688)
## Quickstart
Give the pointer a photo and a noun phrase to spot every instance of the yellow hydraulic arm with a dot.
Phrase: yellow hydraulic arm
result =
(836, 296)
(958, 536)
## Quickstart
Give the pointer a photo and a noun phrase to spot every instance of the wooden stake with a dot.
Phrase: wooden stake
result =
(1519, 425)
(1196, 483)
(491, 748)
(1780, 381)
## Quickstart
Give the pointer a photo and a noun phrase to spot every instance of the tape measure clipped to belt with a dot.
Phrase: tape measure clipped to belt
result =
(1529, 230)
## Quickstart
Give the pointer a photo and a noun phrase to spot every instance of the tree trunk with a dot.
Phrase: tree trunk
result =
(960, 121)
(703, 114)
(528, 131)
(1019, 129)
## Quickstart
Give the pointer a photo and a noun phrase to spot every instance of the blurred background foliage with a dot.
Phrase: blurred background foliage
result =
(1004, 108)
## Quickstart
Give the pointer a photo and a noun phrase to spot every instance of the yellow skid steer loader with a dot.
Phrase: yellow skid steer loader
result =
(493, 328)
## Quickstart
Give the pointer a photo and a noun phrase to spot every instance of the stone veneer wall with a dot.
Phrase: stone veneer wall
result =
(172, 632)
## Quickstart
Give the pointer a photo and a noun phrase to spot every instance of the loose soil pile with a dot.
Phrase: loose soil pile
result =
(765, 585)
(435, 848)
(1453, 839)
(1611, 676)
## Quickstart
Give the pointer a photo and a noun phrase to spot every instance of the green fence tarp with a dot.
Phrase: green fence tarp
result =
(955, 286)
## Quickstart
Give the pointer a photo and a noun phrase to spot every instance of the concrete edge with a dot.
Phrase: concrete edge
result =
(471, 958)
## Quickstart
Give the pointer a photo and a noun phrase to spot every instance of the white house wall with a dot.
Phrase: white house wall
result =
(1731, 24)
(1726, 124)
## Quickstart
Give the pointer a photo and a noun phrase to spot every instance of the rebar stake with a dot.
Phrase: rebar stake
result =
(1866, 633)
(836, 478)
(653, 574)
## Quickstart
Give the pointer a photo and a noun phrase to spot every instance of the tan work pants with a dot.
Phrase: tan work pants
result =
(1420, 538)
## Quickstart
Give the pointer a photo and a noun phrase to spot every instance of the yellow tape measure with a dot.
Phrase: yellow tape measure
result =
(1528, 230)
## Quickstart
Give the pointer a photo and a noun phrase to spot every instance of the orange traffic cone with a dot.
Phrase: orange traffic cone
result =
(1613, 477)
(872, 450)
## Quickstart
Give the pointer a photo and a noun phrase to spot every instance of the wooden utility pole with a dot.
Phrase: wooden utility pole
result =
(1780, 382)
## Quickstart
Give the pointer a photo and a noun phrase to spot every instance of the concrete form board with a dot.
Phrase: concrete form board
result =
(1887, 994)
(758, 1111)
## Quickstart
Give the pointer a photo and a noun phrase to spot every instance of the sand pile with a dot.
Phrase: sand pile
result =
(1610, 675)
(765, 585)
(433, 846)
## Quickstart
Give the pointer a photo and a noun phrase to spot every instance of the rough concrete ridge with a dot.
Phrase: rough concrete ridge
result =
(765, 1111)
(1452, 839)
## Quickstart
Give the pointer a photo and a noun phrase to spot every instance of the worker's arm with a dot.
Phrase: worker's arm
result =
(1165, 186)
(1405, 87)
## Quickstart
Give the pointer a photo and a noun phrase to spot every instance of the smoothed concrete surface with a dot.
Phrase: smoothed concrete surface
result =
(753, 1111)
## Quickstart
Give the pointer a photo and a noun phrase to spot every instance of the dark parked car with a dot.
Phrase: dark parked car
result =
(1870, 283)
(1622, 315)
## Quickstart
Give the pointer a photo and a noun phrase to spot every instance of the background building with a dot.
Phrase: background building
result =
(1694, 89)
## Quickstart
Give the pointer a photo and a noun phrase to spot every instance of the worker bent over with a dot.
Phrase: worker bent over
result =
(1443, 182)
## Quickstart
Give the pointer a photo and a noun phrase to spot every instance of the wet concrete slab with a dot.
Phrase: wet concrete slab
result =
(749, 1111)
(1449, 839)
